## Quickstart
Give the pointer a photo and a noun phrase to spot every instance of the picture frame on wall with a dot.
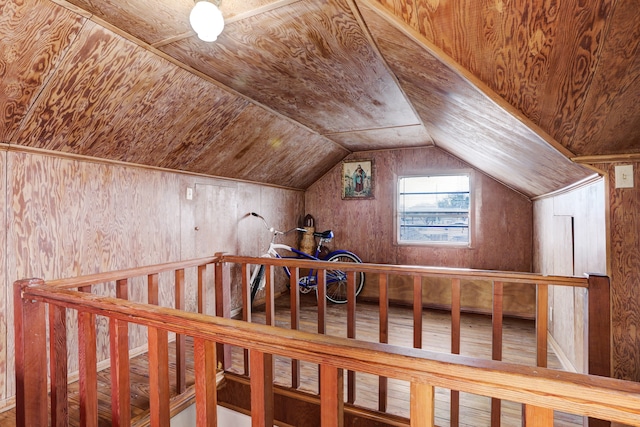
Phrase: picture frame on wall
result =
(357, 179)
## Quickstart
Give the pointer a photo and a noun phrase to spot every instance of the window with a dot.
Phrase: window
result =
(434, 209)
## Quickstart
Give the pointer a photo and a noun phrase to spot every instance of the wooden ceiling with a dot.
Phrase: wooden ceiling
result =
(515, 88)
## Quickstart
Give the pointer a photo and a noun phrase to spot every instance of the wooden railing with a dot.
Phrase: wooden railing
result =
(597, 327)
(539, 389)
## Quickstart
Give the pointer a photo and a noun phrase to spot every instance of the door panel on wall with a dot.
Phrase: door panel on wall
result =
(216, 219)
(215, 227)
(562, 298)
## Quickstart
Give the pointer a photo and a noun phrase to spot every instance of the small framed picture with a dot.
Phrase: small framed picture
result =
(357, 179)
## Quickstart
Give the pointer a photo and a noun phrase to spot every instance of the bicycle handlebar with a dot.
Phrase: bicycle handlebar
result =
(273, 230)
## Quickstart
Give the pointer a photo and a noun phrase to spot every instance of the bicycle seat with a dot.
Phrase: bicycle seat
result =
(324, 234)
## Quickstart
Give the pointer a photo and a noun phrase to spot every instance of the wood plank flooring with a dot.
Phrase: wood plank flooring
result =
(518, 344)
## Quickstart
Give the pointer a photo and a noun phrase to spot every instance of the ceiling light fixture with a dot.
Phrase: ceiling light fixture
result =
(206, 19)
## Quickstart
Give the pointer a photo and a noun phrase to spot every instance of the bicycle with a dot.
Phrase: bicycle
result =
(336, 280)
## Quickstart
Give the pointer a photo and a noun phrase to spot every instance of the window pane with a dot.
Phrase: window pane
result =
(434, 209)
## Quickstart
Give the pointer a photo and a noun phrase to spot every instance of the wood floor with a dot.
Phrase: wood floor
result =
(518, 344)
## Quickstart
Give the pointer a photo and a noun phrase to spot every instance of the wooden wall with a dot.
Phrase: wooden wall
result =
(624, 270)
(570, 239)
(67, 217)
(502, 239)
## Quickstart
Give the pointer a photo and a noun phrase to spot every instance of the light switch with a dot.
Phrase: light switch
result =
(624, 176)
(189, 193)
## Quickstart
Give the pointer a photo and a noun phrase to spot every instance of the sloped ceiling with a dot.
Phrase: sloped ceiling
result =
(516, 89)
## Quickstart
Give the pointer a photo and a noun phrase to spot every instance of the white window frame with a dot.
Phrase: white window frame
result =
(471, 212)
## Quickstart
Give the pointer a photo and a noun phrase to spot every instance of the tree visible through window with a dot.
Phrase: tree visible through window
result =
(433, 209)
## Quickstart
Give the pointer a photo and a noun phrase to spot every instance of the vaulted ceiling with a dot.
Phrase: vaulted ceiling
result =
(516, 88)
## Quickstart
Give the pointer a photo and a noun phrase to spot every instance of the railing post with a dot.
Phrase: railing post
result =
(535, 416)
(31, 357)
(119, 351)
(159, 377)
(422, 405)
(88, 369)
(206, 392)
(223, 304)
(599, 327)
(331, 396)
(261, 380)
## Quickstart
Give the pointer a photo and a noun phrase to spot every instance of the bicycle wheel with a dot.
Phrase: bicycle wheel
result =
(257, 282)
(337, 279)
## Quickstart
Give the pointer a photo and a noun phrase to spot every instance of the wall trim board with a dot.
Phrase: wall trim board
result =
(582, 183)
(608, 158)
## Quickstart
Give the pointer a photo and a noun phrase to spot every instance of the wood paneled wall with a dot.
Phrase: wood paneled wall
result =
(5, 295)
(570, 239)
(67, 217)
(502, 236)
(624, 269)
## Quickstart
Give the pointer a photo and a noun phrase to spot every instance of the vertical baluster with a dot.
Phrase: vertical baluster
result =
(202, 289)
(294, 287)
(88, 381)
(159, 377)
(321, 289)
(204, 363)
(30, 357)
(331, 396)
(270, 308)
(455, 346)
(246, 308)
(222, 299)
(351, 330)
(496, 344)
(542, 323)
(181, 351)
(322, 301)
(119, 352)
(417, 312)
(384, 337)
(261, 380)
(422, 405)
(58, 365)
(153, 289)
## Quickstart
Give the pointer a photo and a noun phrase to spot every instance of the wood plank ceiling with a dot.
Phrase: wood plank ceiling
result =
(514, 88)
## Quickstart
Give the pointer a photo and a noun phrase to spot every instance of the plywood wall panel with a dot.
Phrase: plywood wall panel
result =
(624, 264)
(70, 217)
(6, 293)
(35, 36)
(504, 217)
(570, 238)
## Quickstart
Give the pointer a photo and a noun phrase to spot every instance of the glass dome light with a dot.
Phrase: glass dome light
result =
(206, 20)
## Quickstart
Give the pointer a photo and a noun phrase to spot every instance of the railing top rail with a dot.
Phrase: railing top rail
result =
(460, 273)
(94, 279)
(598, 397)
